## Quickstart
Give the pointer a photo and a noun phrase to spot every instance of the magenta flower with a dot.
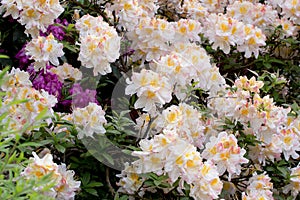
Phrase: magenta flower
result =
(47, 81)
(81, 98)
(57, 30)
(24, 60)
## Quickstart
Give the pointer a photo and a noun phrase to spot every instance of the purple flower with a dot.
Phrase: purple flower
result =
(63, 22)
(23, 58)
(76, 89)
(47, 81)
(57, 30)
(81, 98)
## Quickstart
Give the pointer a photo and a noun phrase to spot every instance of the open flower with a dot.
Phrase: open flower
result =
(64, 185)
(225, 152)
(151, 88)
(44, 50)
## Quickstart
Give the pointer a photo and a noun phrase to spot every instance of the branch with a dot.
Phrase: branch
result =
(111, 189)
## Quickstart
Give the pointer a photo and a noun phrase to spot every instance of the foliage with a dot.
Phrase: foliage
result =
(133, 117)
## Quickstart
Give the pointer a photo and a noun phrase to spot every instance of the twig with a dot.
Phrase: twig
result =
(111, 189)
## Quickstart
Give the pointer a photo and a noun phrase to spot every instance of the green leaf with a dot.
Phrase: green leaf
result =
(70, 27)
(94, 184)
(267, 65)
(91, 191)
(274, 60)
(112, 131)
(124, 197)
(60, 148)
(31, 144)
(85, 179)
(184, 198)
(283, 171)
(2, 56)
(61, 135)
(72, 48)
(42, 114)
(108, 158)
(149, 183)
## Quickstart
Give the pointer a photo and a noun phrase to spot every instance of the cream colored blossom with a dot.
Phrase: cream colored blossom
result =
(35, 15)
(225, 152)
(44, 50)
(64, 185)
(89, 120)
(99, 44)
(151, 88)
(67, 71)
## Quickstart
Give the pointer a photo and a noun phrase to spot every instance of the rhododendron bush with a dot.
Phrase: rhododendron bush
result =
(149, 99)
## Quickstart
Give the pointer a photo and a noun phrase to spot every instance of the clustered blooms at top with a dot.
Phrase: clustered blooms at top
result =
(99, 44)
(224, 32)
(35, 15)
(64, 185)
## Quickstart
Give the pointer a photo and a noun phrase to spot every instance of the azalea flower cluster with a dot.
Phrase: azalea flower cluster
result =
(294, 185)
(67, 71)
(44, 50)
(223, 32)
(151, 88)
(185, 121)
(194, 150)
(224, 151)
(185, 124)
(186, 63)
(258, 14)
(262, 16)
(168, 154)
(19, 87)
(290, 10)
(260, 187)
(244, 25)
(151, 38)
(278, 134)
(88, 120)
(64, 185)
(99, 44)
(174, 73)
(35, 15)
(260, 117)
(130, 11)
(194, 9)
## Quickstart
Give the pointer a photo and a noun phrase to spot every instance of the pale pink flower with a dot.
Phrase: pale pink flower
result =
(89, 120)
(64, 184)
(260, 187)
(35, 15)
(99, 44)
(67, 71)
(294, 185)
(44, 50)
(225, 153)
(151, 88)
